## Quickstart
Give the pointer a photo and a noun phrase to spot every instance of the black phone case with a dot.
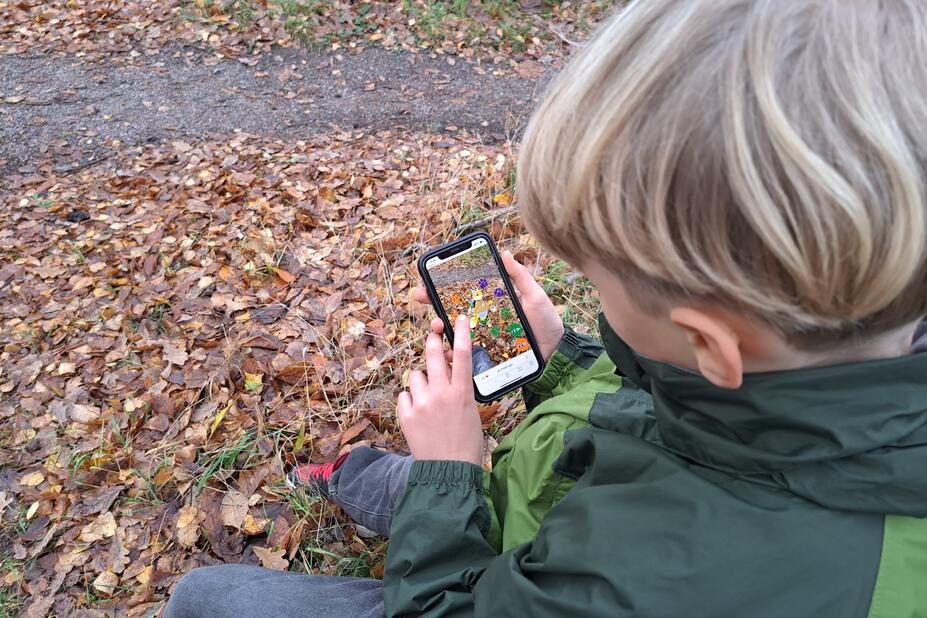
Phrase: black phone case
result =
(449, 331)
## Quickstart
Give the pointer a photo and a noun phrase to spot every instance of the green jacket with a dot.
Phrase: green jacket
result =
(800, 494)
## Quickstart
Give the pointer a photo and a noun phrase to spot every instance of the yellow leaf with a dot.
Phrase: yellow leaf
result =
(254, 382)
(220, 415)
(300, 438)
(32, 509)
(145, 576)
(253, 526)
(502, 199)
(32, 479)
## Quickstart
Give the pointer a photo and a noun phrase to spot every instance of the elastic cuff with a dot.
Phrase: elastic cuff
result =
(445, 472)
(560, 362)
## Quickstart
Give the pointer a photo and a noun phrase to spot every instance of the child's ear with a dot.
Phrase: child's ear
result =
(715, 343)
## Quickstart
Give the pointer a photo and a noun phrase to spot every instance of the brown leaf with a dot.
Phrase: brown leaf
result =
(250, 480)
(173, 353)
(106, 582)
(354, 431)
(284, 275)
(187, 526)
(296, 373)
(83, 413)
(272, 559)
(102, 527)
(234, 509)
(97, 501)
(488, 411)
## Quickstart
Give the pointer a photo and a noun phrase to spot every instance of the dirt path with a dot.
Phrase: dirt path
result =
(71, 112)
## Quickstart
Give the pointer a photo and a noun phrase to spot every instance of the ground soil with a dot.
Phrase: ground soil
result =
(76, 113)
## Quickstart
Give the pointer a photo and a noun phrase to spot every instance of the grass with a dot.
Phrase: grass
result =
(226, 457)
(77, 254)
(494, 25)
(156, 315)
(302, 19)
(580, 300)
(11, 601)
(319, 520)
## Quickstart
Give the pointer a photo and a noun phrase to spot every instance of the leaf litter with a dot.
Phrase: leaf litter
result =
(521, 35)
(221, 310)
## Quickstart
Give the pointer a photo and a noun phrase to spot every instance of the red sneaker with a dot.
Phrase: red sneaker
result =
(314, 477)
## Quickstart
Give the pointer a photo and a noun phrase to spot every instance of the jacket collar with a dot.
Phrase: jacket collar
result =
(856, 424)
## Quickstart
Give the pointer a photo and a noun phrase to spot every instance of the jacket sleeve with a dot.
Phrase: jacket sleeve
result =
(439, 564)
(574, 354)
(437, 549)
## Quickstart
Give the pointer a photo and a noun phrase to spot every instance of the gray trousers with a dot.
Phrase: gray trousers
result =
(366, 486)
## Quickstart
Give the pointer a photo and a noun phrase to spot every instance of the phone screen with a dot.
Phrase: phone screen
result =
(469, 282)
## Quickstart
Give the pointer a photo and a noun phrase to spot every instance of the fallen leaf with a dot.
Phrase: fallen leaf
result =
(284, 275)
(187, 526)
(234, 509)
(83, 414)
(354, 431)
(218, 420)
(106, 582)
(174, 354)
(32, 479)
(66, 369)
(102, 527)
(271, 559)
(145, 575)
(253, 382)
(252, 526)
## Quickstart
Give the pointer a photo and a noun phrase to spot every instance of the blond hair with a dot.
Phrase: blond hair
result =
(766, 154)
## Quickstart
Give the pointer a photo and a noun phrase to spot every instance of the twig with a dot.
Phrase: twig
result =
(87, 164)
(413, 248)
(564, 39)
(472, 225)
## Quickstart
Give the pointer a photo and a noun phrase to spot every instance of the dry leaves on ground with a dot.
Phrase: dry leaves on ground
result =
(508, 33)
(181, 323)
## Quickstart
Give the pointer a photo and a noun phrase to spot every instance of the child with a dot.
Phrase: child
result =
(743, 181)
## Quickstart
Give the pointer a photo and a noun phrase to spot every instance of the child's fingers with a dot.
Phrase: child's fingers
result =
(418, 385)
(403, 406)
(462, 371)
(420, 294)
(434, 359)
(437, 326)
(520, 275)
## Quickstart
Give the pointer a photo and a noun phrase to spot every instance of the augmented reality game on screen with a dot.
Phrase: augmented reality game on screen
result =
(469, 283)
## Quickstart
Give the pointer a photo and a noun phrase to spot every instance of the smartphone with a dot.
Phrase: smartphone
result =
(466, 276)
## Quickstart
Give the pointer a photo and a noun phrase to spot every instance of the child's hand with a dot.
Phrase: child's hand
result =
(542, 317)
(438, 413)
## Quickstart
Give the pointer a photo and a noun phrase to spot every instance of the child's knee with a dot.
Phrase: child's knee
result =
(192, 593)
